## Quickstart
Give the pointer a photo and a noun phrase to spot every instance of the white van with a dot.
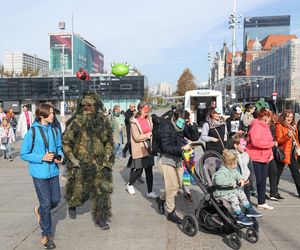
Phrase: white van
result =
(198, 101)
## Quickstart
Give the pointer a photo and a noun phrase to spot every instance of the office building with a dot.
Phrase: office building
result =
(20, 63)
(261, 27)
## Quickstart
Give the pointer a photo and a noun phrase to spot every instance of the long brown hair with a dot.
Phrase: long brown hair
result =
(285, 114)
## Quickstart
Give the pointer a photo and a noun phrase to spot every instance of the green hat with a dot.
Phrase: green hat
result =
(261, 104)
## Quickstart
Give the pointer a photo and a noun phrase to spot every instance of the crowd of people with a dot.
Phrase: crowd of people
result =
(255, 145)
(10, 126)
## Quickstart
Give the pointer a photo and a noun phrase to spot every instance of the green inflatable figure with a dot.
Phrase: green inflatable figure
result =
(88, 148)
(120, 69)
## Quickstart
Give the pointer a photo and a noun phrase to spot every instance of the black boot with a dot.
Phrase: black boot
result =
(102, 224)
(72, 212)
(173, 217)
(161, 205)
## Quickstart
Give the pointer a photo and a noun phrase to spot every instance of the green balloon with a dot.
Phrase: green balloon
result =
(120, 69)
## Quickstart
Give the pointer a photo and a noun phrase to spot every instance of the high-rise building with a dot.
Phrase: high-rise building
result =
(164, 89)
(78, 53)
(19, 63)
(262, 26)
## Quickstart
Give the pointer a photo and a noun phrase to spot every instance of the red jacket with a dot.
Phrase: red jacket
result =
(285, 142)
(260, 141)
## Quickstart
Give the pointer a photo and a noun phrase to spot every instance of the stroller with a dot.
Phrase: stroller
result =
(215, 214)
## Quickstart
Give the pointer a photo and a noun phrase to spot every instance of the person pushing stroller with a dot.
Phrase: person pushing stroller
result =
(228, 175)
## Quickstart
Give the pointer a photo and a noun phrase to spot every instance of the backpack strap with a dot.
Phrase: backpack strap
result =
(33, 138)
(44, 138)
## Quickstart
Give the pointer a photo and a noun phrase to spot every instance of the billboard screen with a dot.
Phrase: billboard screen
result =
(57, 42)
(87, 57)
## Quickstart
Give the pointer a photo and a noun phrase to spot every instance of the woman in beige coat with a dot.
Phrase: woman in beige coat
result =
(141, 144)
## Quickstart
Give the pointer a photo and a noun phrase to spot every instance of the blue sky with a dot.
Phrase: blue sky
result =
(159, 37)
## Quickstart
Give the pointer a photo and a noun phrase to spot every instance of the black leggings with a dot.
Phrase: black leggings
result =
(273, 178)
(138, 172)
(294, 171)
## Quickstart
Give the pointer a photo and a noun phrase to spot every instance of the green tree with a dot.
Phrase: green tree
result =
(186, 82)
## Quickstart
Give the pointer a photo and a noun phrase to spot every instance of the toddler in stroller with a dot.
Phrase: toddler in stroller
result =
(214, 213)
(228, 176)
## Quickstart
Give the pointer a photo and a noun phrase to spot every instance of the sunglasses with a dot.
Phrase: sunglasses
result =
(87, 105)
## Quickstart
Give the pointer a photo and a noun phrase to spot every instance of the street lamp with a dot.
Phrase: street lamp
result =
(234, 23)
(62, 61)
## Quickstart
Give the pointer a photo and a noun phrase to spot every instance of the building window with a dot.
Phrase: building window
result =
(126, 86)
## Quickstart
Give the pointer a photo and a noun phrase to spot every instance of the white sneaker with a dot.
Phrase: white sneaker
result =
(151, 195)
(130, 189)
(265, 206)
(273, 199)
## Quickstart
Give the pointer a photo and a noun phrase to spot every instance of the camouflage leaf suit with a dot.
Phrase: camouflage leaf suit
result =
(88, 148)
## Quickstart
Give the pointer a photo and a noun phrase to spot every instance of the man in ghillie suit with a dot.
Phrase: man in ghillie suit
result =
(88, 148)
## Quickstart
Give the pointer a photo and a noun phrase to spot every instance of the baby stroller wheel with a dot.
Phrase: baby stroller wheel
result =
(251, 235)
(190, 225)
(234, 241)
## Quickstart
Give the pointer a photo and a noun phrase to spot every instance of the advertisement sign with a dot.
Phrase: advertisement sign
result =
(87, 57)
(58, 45)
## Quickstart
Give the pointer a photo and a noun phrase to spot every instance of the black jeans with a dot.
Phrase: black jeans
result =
(261, 171)
(48, 193)
(273, 178)
(149, 177)
(294, 171)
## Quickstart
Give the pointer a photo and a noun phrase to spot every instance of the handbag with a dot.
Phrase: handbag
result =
(278, 154)
(4, 140)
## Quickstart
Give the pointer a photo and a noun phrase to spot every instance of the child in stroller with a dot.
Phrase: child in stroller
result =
(215, 213)
(227, 175)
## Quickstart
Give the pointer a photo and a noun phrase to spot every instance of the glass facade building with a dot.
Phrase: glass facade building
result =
(113, 90)
(261, 27)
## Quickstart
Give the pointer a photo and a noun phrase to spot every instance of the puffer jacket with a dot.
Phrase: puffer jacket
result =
(285, 142)
(225, 177)
(171, 141)
(260, 142)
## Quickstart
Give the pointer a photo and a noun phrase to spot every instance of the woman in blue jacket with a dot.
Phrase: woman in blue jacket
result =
(42, 148)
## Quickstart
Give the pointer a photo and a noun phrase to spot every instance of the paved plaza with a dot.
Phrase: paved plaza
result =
(135, 223)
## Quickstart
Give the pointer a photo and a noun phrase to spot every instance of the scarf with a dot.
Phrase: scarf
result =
(215, 124)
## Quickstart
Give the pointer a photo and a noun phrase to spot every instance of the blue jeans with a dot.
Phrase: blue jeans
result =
(117, 150)
(7, 151)
(48, 193)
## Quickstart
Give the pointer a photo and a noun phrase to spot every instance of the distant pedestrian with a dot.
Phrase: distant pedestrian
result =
(119, 130)
(25, 120)
(10, 115)
(43, 155)
(2, 114)
(130, 112)
(234, 123)
(7, 137)
(248, 117)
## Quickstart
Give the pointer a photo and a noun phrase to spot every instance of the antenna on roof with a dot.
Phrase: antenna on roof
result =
(72, 24)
